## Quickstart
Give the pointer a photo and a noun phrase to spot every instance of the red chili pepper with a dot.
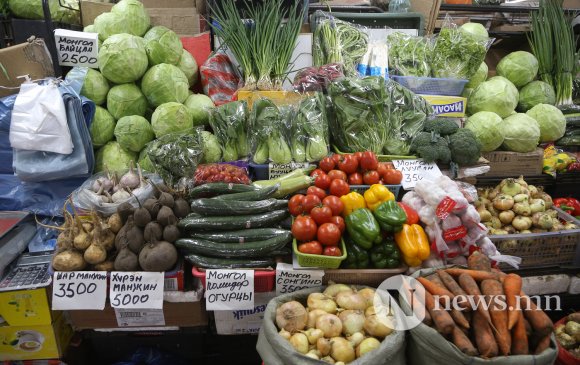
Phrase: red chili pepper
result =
(412, 216)
(574, 203)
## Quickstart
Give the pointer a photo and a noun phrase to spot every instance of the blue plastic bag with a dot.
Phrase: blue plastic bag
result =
(152, 356)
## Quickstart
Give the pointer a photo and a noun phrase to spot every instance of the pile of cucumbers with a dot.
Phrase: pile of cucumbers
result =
(234, 226)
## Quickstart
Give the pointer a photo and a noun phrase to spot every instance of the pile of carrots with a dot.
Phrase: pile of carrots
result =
(485, 333)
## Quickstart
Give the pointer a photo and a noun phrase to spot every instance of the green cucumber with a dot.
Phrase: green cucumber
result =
(260, 194)
(220, 207)
(237, 263)
(246, 249)
(220, 189)
(291, 175)
(241, 236)
(268, 219)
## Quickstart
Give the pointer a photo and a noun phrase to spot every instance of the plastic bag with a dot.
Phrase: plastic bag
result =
(230, 125)
(39, 120)
(317, 78)
(226, 173)
(269, 133)
(337, 41)
(556, 160)
(6, 155)
(219, 78)
(176, 156)
(45, 238)
(375, 61)
(309, 130)
(409, 55)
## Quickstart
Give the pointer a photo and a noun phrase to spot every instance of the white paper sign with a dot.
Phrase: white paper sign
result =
(76, 48)
(289, 280)
(136, 290)
(415, 171)
(275, 170)
(139, 317)
(79, 290)
(229, 289)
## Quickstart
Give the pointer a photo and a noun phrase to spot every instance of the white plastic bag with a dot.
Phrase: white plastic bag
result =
(39, 120)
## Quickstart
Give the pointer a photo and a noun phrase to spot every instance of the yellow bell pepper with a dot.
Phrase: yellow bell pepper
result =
(376, 195)
(413, 243)
(352, 201)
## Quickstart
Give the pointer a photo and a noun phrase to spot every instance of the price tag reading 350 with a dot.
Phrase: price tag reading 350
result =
(79, 290)
(415, 171)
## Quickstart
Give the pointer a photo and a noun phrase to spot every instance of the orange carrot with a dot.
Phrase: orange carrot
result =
(436, 289)
(463, 343)
(459, 318)
(520, 337)
(454, 288)
(443, 321)
(475, 274)
(512, 286)
(479, 261)
(470, 286)
(540, 322)
(543, 345)
(499, 317)
(483, 336)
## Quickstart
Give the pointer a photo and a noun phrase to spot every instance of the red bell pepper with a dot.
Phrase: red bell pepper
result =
(412, 216)
(564, 204)
(574, 203)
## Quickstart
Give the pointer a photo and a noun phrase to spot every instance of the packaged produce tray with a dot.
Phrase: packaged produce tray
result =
(374, 20)
(543, 249)
(432, 86)
(264, 280)
(319, 261)
(369, 277)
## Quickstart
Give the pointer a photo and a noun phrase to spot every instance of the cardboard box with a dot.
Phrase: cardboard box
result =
(169, 3)
(92, 9)
(35, 342)
(447, 106)
(25, 307)
(243, 322)
(31, 58)
(430, 11)
(505, 163)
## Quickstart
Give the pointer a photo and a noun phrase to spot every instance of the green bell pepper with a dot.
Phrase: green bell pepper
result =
(386, 255)
(356, 258)
(390, 216)
(363, 228)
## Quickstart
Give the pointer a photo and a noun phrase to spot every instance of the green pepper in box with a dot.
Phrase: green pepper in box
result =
(386, 255)
(357, 258)
(363, 228)
(390, 216)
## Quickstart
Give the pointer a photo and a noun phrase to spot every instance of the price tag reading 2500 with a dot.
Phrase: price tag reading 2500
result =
(79, 290)
(76, 48)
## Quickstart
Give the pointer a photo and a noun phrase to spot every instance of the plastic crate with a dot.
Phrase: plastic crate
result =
(543, 249)
(264, 280)
(432, 86)
(320, 261)
(374, 20)
(369, 277)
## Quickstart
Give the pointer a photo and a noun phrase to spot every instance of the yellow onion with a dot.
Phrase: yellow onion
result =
(367, 345)
(334, 289)
(313, 316)
(300, 342)
(291, 316)
(350, 300)
(352, 321)
(321, 301)
(341, 350)
(330, 325)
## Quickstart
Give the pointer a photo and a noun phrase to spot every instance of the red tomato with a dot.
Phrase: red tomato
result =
(348, 164)
(313, 190)
(369, 161)
(382, 169)
(317, 172)
(321, 214)
(322, 181)
(355, 179)
(329, 234)
(339, 188)
(393, 177)
(339, 222)
(358, 156)
(295, 204)
(304, 228)
(309, 202)
(312, 248)
(371, 177)
(326, 164)
(336, 158)
(334, 203)
(337, 174)
(332, 251)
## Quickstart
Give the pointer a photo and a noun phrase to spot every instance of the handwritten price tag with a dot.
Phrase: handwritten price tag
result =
(276, 170)
(76, 48)
(415, 171)
(289, 280)
(229, 289)
(137, 290)
(79, 290)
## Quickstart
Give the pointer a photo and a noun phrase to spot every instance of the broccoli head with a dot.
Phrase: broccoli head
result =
(464, 146)
(431, 147)
(442, 126)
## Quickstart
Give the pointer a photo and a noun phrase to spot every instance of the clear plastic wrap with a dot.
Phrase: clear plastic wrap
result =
(269, 133)
(309, 130)
(409, 55)
(230, 125)
(210, 173)
(219, 78)
(337, 41)
(317, 78)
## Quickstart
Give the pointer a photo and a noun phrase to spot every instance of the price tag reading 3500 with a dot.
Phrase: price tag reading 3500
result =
(79, 290)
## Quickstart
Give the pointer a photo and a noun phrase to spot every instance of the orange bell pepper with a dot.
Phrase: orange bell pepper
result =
(413, 243)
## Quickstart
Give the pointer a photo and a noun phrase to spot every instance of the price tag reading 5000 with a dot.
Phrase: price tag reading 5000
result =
(79, 290)
(137, 290)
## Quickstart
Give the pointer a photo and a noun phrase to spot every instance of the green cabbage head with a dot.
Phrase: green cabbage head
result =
(135, 15)
(108, 24)
(519, 67)
(212, 150)
(496, 95)
(114, 157)
(32, 9)
(521, 133)
(171, 118)
(189, 67)
(479, 77)
(485, 126)
(122, 58)
(199, 106)
(102, 128)
(145, 161)
(95, 87)
(551, 120)
(534, 93)
(164, 83)
(133, 132)
(163, 46)
(476, 30)
(126, 99)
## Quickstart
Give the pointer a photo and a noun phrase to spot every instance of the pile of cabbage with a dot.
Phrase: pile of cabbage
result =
(513, 111)
(68, 13)
(141, 88)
